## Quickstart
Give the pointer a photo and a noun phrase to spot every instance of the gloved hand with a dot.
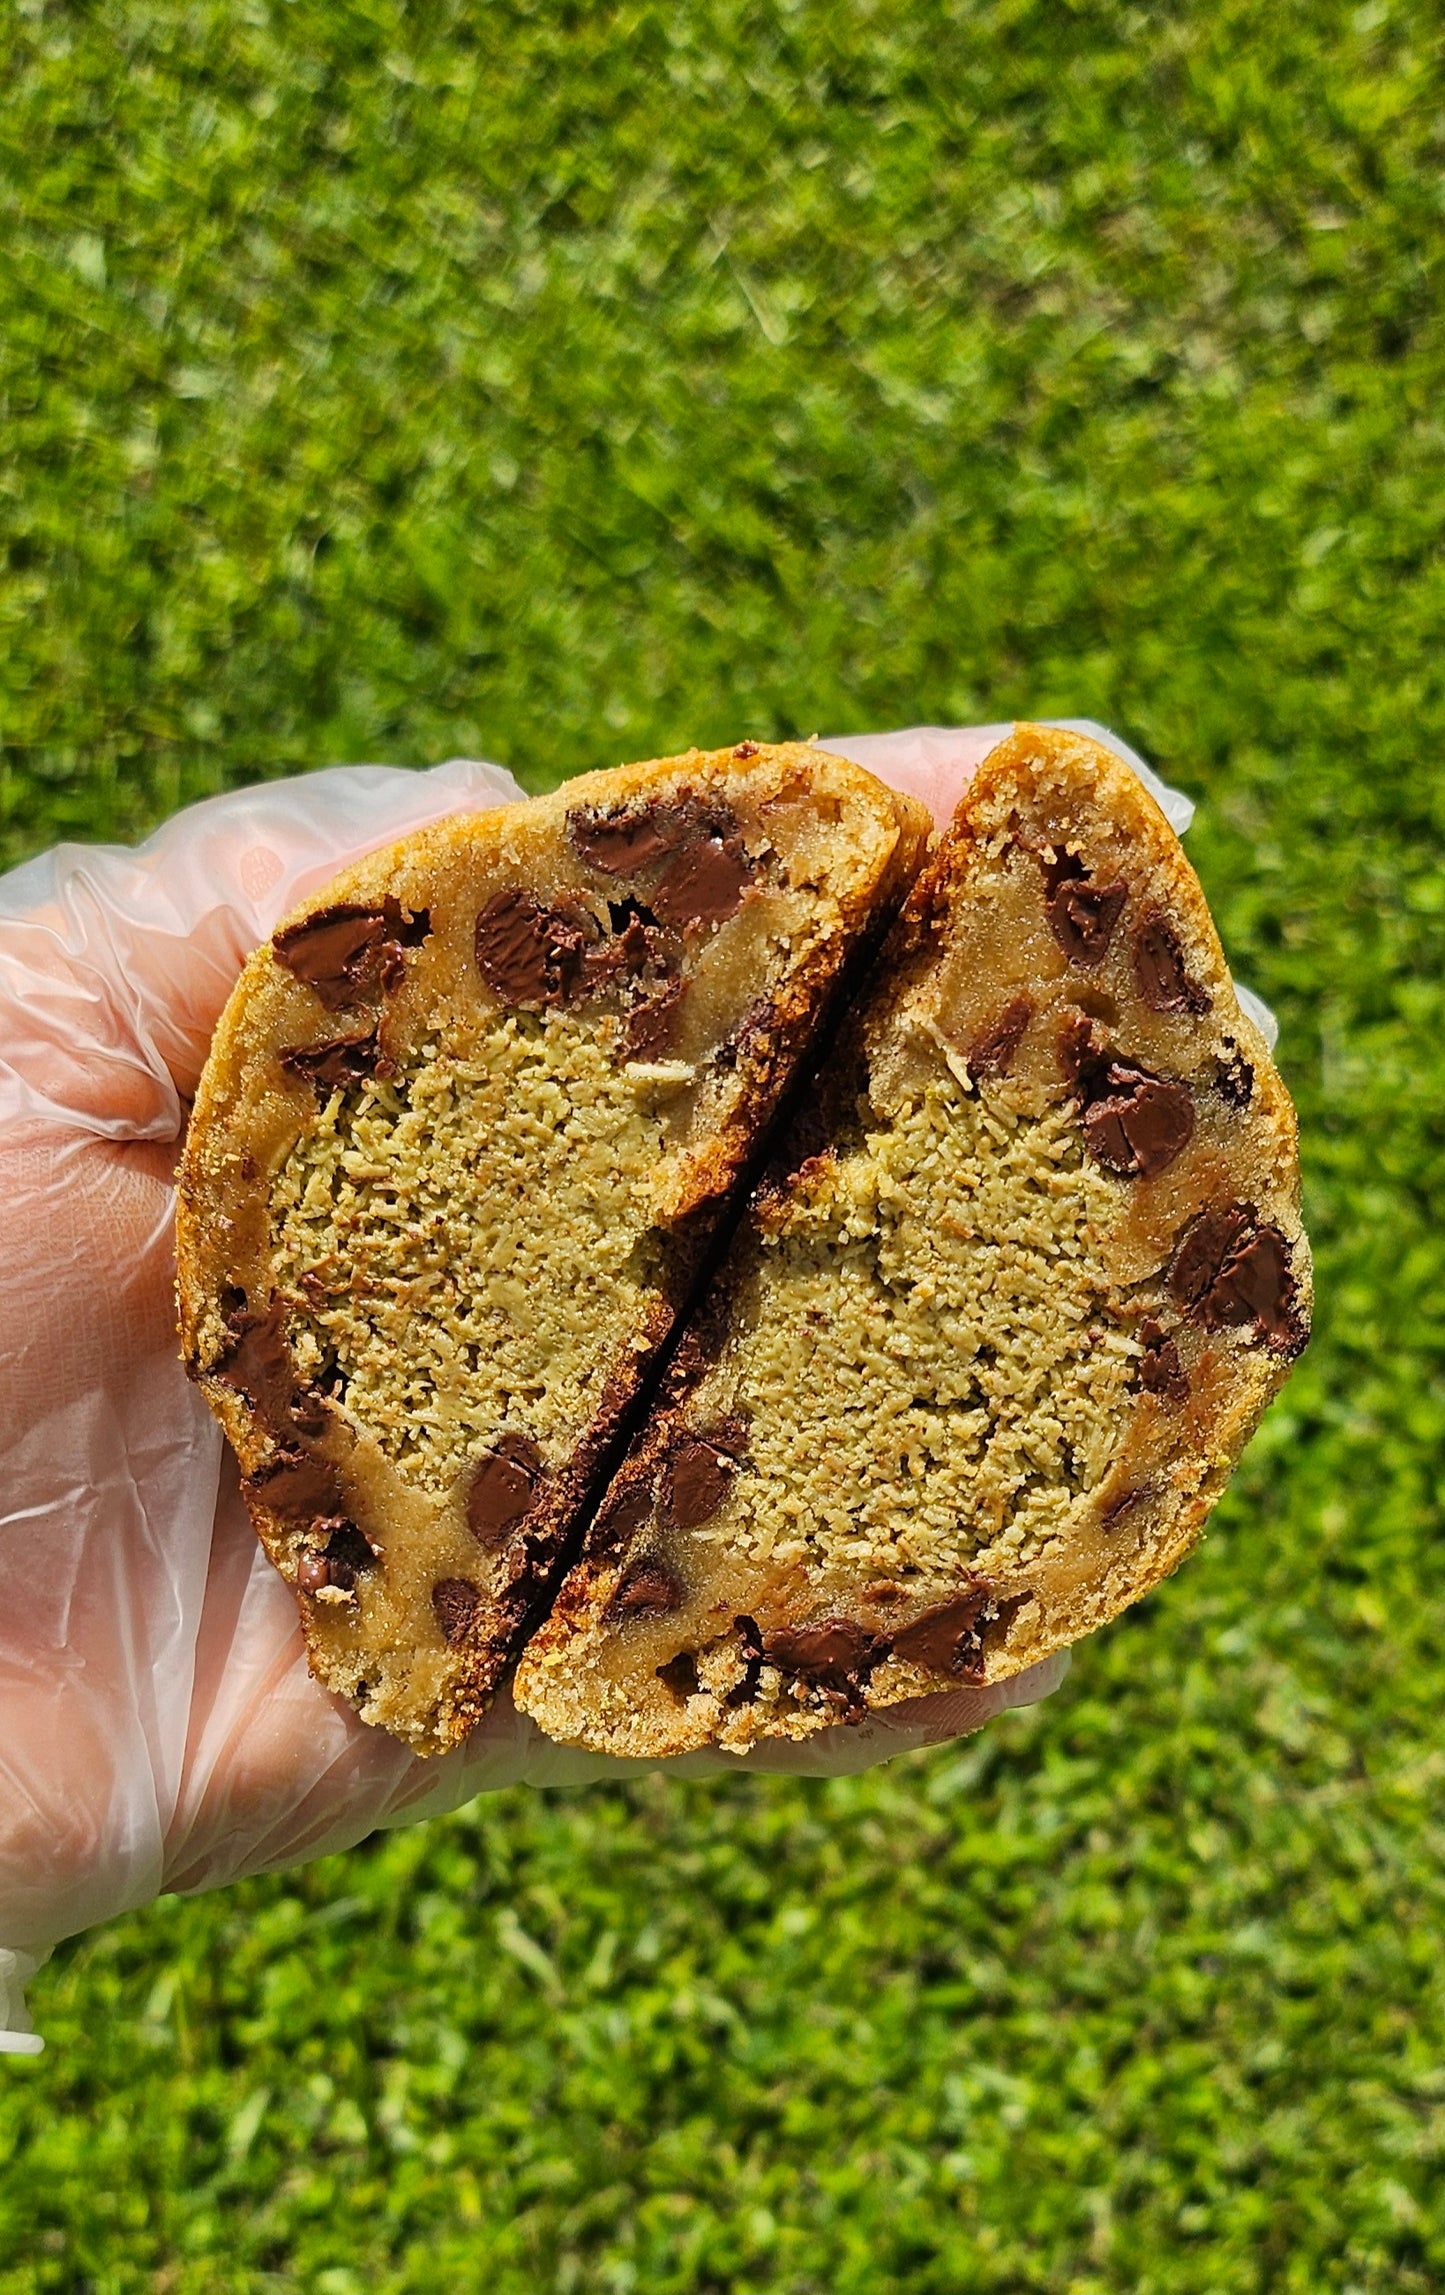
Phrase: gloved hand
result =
(158, 1727)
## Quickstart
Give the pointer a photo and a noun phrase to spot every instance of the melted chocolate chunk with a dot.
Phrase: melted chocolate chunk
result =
(705, 884)
(1134, 1123)
(647, 1591)
(1082, 917)
(623, 1512)
(1140, 1123)
(991, 1054)
(343, 1061)
(455, 1603)
(1160, 1370)
(1232, 1271)
(629, 842)
(831, 1653)
(1159, 968)
(257, 1362)
(348, 953)
(504, 1489)
(650, 1026)
(1206, 1245)
(680, 1675)
(948, 1639)
(526, 953)
(298, 1486)
(699, 1476)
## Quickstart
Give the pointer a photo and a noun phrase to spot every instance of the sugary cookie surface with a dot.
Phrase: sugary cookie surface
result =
(997, 1325)
(467, 1123)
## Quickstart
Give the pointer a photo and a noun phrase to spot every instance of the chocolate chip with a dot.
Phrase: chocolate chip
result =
(503, 1489)
(313, 1573)
(527, 953)
(948, 1638)
(833, 1651)
(1159, 968)
(258, 1363)
(746, 749)
(680, 1674)
(298, 1486)
(339, 1063)
(1082, 917)
(1134, 1123)
(347, 953)
(991, 1054)
(622, 1512)
(1232, 1271)
(833, 1657)
(705, 884)
(629, 842)
(1207, 1243)
(455, 1603)
(1160, 1370)
(698, 1478)
(1140, 1124)
(647, 1591)
(649, 1027)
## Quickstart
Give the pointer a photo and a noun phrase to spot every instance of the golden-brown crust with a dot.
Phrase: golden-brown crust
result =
(1121, 971)
(251, 1110)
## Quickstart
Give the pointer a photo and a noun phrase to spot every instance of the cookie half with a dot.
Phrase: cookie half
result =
(995, 1328)
(468, 1122)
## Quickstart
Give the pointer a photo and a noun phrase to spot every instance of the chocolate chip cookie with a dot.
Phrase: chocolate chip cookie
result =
(996, 1325)
(468, 1122)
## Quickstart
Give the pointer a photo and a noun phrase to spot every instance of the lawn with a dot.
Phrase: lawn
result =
(562, 384)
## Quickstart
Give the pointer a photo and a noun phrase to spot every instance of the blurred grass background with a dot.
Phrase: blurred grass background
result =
(561, 384)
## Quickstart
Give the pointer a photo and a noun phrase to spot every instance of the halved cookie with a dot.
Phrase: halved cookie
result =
(998, 1323)
(468, 1121)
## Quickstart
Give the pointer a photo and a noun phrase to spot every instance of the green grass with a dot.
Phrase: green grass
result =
(566, 383)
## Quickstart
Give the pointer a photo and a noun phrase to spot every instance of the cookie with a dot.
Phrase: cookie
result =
(994, 1329)
(469, 1120)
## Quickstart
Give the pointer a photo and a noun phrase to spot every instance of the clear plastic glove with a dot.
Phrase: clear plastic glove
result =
(158, 1726)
